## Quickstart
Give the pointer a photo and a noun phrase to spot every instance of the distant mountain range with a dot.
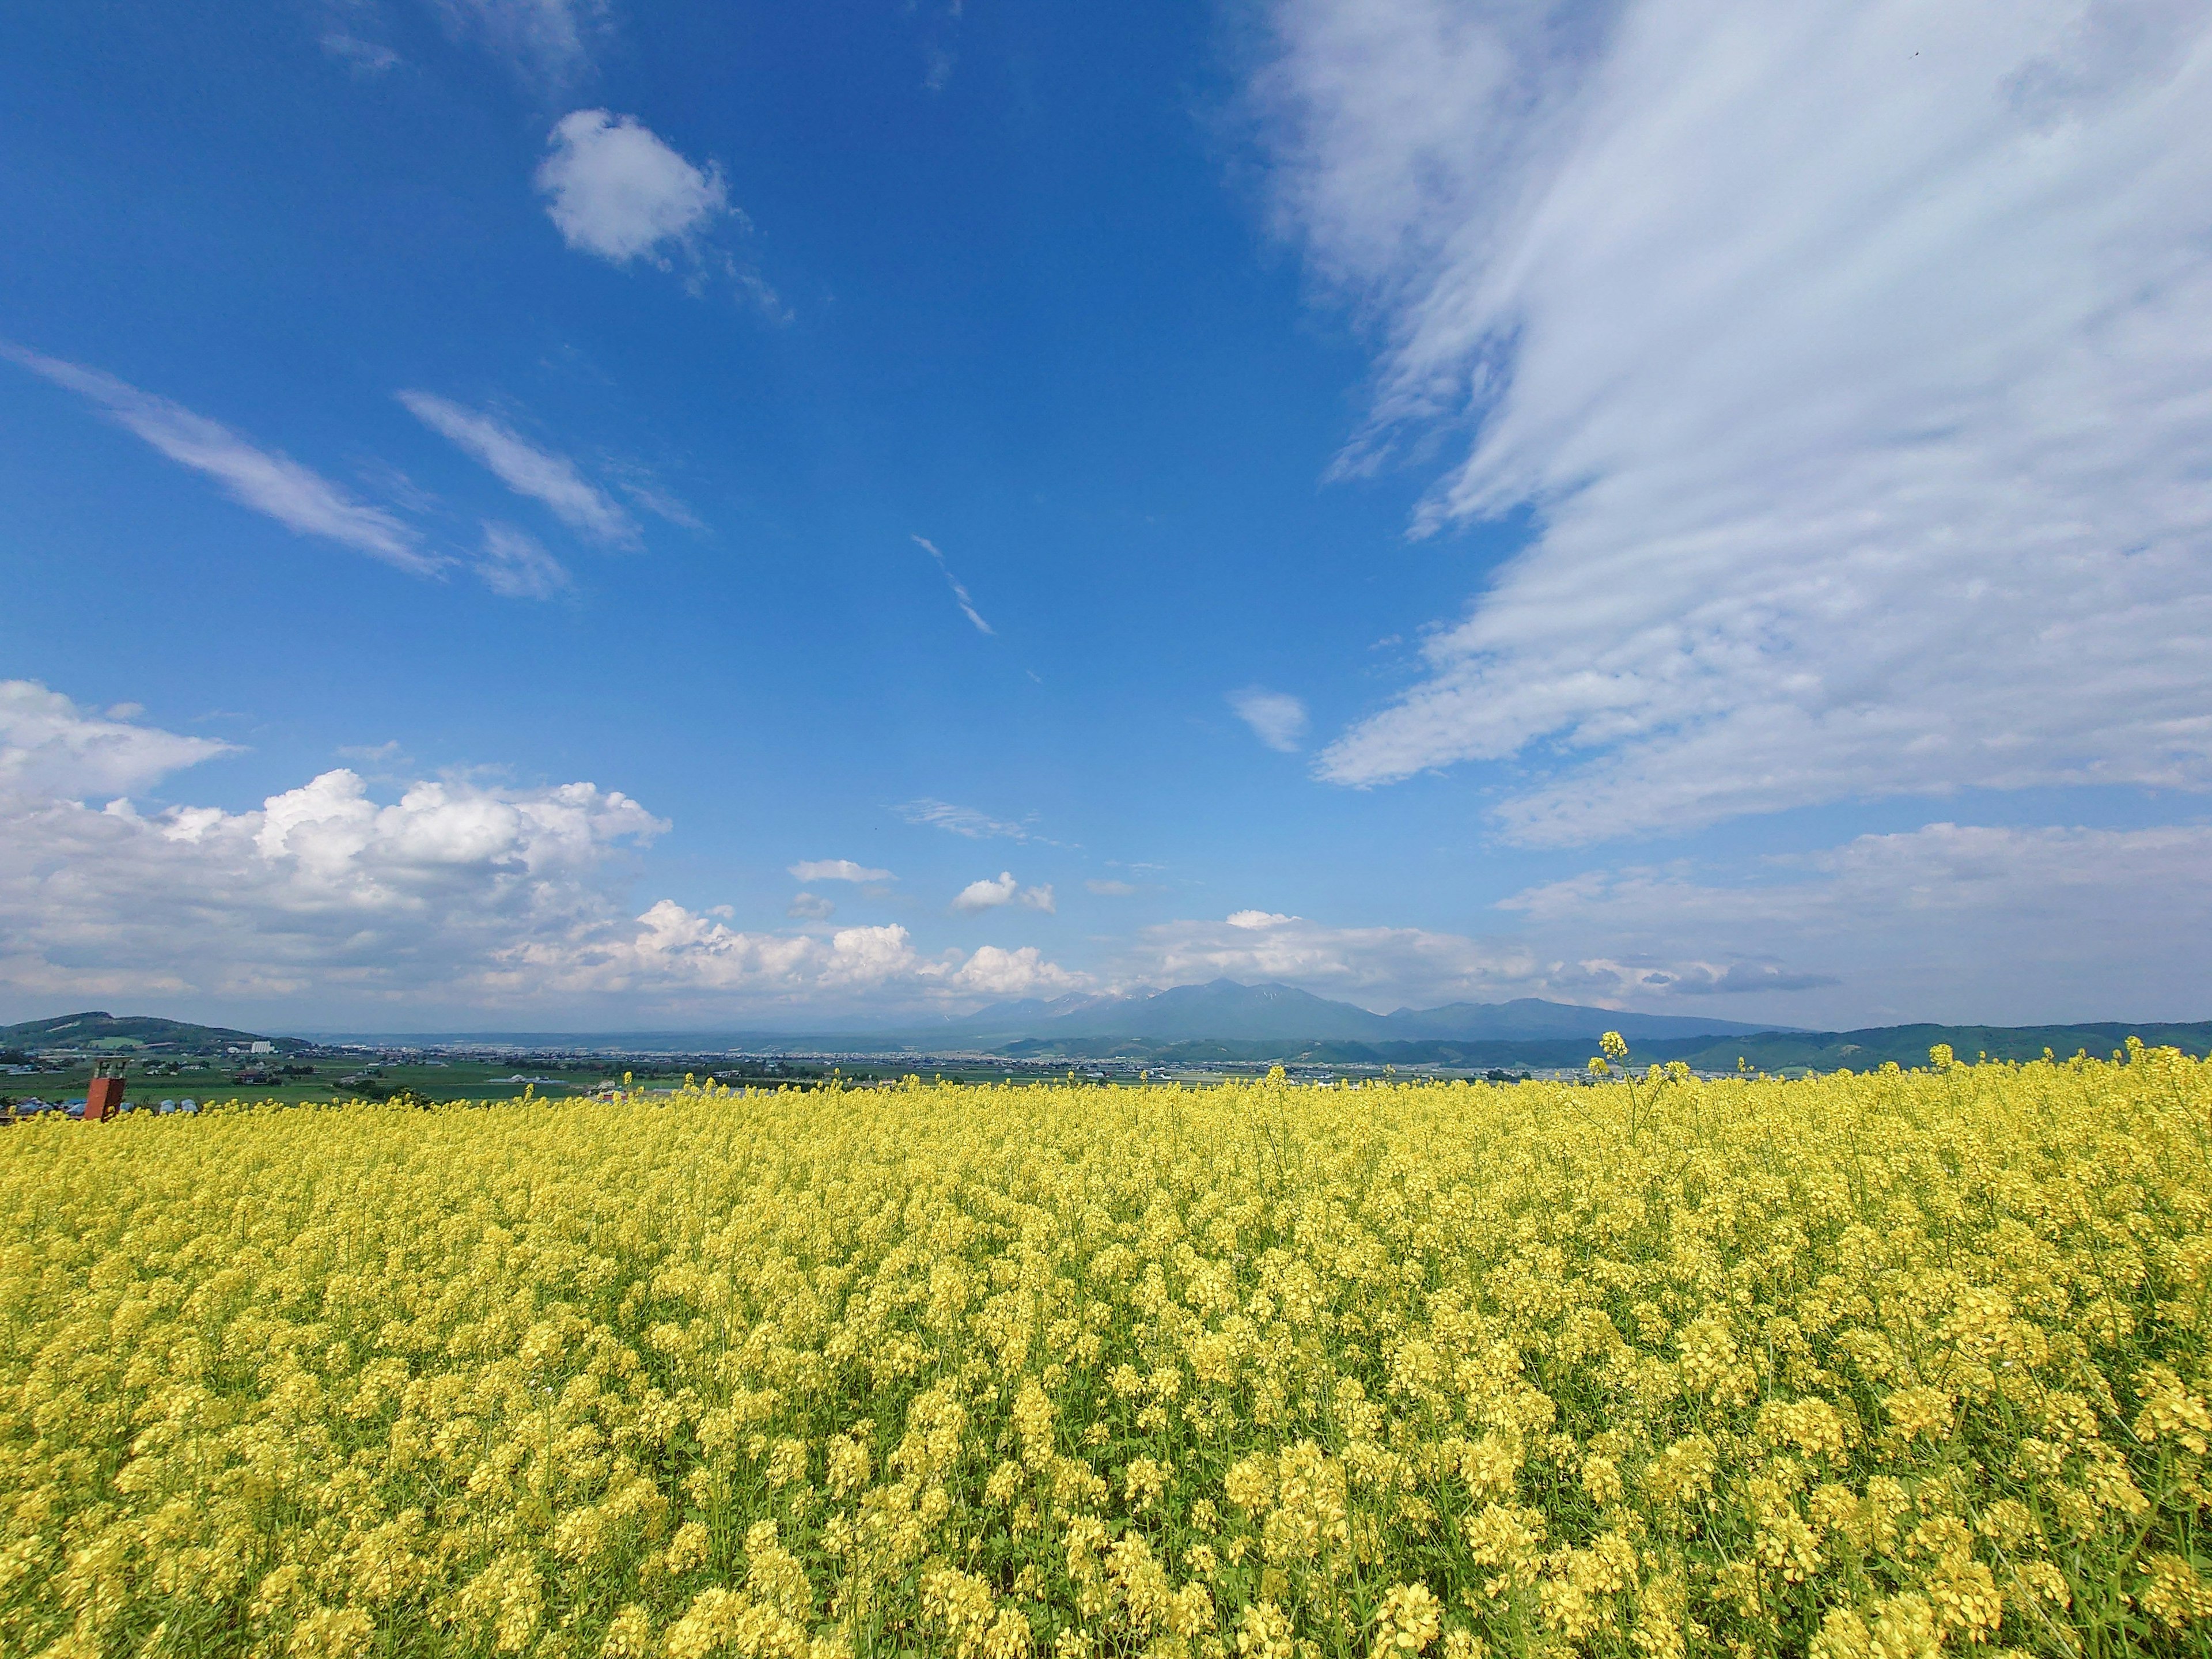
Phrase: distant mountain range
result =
(1784, 1052)
(1224, 1010)
(1225, 1021)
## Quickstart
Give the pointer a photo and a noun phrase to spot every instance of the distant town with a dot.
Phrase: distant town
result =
(172, 1066)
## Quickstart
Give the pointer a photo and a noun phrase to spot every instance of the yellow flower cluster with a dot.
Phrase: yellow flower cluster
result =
(1860, 1367)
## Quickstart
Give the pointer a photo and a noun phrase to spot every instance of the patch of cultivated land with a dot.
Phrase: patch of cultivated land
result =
(1864, 1364)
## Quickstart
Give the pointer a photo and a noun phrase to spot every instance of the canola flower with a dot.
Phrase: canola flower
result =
(1861, 1367)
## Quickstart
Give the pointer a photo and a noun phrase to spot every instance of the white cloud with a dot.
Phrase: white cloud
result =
(329, 901)
(1023, 973)
(1949, 921)
(837, 869)
(516, 565)
(336, 899)
(262, 479)
(615, 190)
(1376, 967)
(959, 593)
(50, 747)
(365, 58)
(546, 43)
(1852, 358)
(987, 894)
(673, 952)
(1277, 718)
(638, 483)
(1385, 968)
(373, 754)
(322, 892)
(990, 893)
(962, 821)
(810, 907)
(1111, 889)
(526, 469)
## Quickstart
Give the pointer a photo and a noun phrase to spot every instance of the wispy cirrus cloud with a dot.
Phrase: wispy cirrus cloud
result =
(808, 870)
(1277, 718)
(546, 44)
(1377, 967)
(962, 821)
(1950, 921)
(1814, 339)
(527, 468)
(265, 480)
(959, 593)
(515, 564)
(366, 58)
(639, 484)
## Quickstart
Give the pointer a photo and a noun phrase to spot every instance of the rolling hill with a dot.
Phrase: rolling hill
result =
(130, 1032)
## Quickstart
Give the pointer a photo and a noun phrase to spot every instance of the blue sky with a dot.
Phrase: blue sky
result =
(526, 511)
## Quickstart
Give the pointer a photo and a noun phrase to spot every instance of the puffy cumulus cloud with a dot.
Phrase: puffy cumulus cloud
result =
(837, 869)
(527, 468)
(1850, 360)
(321, 889)
(329, 829)
(49, 747)
(321, 892)
(1023, 973)
(991, 892)
(614, 189)
(674, 956)
(1277, 718)
(671, 949)
(271, 484)
(987, 894)
(1949, 921)
(330, 901)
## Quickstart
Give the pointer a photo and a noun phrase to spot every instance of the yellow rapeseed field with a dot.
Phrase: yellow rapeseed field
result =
(1862, 1366)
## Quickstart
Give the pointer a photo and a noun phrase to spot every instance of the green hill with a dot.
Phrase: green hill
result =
(129, 1034)
(1908, 1045)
